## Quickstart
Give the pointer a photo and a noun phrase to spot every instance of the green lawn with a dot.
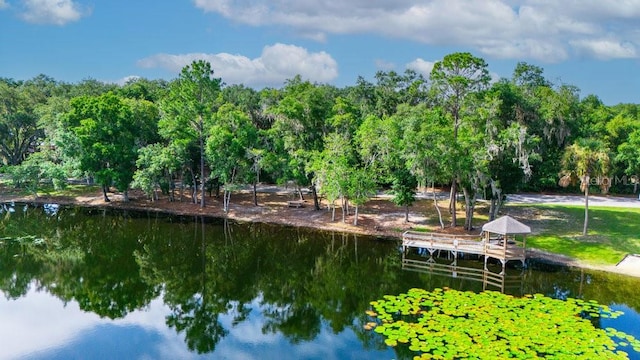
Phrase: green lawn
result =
(613, 232)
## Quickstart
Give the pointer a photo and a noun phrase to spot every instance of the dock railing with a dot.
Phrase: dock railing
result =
(502, 248)
(433, 241)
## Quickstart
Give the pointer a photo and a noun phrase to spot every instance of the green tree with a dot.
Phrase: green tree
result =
(377, 142)
(380, 147)
(144, 89)
(629, 155)
(470, 159)
(362, 96)
(18, 123)
(332, 169)
(250, 101)
(586, 159)
(345, 119)
(454, 79)
(393, 89)
(188, 109)
(360, 188)
(229, 145)
(157, 166)
(508, 144)
(426, 139)
(108, 136)
(90, 87)
(38, 168)
(300, 128)
(559, 111)
(404, 190)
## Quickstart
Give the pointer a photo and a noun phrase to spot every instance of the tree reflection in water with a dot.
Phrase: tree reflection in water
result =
(300, 282)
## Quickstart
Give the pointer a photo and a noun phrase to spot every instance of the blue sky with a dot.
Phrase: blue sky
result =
(592, 44)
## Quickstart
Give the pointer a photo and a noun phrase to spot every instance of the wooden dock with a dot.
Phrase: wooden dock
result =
(502, 248)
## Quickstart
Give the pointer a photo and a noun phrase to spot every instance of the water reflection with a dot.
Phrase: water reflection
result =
(509, 281)
(180, 287)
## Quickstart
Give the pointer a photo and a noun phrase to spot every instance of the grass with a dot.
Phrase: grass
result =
(612, 232)
(71, 190)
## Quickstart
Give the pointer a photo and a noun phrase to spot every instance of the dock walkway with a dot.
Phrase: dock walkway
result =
(501, 248)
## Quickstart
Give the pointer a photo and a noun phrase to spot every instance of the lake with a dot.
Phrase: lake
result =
(89, 283)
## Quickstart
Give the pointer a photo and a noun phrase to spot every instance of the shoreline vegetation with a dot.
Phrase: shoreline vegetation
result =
(378, 217)
(457, 128)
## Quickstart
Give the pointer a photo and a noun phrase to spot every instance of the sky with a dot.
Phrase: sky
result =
(591, 44)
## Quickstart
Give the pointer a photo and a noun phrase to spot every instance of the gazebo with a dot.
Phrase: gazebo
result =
(505, 239)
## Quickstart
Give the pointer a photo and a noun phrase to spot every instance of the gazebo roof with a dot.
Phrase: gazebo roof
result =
(506, 225)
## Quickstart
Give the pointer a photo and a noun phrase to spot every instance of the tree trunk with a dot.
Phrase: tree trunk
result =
(469, 209)
(202, 179)
(492, 209)
(104, 193)
(255, 193)
(182, 185)
(355, 216)
(126, 195)
(406, 213)
(333, 212)
(499, 203)
(435, 204)
(226, 199)
(452, 202)
(172, 188)
(194, 187)
(299, 189)
(469, 214)
(316, 202)
(344, 209)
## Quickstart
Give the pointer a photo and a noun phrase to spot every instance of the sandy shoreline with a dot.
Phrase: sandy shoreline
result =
(378, 218)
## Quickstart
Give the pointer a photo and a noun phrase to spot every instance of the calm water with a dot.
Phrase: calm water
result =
(99, 284)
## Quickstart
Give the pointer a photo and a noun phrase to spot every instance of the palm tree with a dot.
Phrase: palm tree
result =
(586, 159)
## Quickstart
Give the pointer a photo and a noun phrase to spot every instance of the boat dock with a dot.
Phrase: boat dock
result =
(502, 248)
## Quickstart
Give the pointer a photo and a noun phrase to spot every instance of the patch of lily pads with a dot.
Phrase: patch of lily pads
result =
(451, 324)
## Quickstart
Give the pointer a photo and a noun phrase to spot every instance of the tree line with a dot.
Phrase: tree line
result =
(456, 128)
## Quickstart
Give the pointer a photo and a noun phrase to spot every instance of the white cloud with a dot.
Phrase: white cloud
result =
(23, 330)
(276, 64)
(3, 4)
(547, 30)
(605, 49)
(423, 67)
(124, 80)
(55, 12)
(39, 322)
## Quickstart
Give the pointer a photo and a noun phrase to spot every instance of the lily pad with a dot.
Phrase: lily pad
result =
(446, 323)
